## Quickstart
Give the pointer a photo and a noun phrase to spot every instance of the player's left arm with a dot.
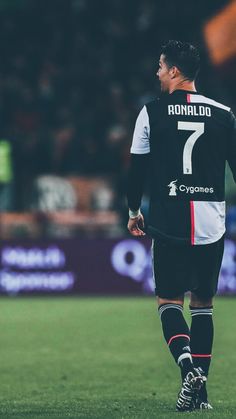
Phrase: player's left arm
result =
(135, 186)
(140, 153)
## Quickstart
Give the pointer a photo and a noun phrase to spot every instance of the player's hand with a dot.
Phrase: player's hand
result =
(136, 226)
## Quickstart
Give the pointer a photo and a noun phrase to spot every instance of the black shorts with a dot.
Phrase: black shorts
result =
(178, 269)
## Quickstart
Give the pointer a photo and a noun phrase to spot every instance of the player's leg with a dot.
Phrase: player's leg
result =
(202, 334)
(170, 288)
(176, 331)
(171, 278)
(207, 264)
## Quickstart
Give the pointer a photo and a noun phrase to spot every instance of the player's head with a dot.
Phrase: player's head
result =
(177, 59)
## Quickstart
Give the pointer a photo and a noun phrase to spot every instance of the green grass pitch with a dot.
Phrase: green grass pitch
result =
(101, 358)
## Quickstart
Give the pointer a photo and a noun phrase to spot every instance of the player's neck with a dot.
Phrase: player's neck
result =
(182, 85)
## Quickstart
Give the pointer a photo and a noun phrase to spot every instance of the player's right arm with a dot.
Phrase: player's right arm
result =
(139, 160)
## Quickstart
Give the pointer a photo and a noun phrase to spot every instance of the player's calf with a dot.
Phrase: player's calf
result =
(176, 333)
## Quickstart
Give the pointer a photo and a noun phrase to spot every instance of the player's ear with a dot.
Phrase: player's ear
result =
(174, 72)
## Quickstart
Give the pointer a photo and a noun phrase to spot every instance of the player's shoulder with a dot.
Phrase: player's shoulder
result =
(219, 110)
(197, 98)
(152, 102)
(152, 106)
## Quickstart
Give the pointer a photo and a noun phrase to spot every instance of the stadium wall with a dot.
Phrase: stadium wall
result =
(89, 266)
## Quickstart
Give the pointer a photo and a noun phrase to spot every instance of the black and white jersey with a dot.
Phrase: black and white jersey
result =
(185, 139)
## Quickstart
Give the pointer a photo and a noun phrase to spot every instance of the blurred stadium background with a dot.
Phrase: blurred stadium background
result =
(73, 77)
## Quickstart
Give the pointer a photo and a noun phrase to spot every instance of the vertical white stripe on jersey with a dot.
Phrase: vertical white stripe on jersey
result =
(207, 100)
(140, 143)
(209, 221)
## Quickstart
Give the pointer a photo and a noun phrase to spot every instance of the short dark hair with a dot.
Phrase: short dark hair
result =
(182, 55)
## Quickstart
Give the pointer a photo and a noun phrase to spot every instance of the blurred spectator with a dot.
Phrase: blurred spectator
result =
(6, 176)
(52, 194)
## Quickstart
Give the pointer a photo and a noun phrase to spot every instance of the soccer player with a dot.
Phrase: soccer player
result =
(182, 142)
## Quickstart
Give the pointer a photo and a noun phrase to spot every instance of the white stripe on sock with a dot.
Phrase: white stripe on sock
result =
(201, 309)
(167, 306)
(198, 312)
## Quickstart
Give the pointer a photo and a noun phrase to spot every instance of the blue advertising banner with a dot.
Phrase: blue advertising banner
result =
(89, 266)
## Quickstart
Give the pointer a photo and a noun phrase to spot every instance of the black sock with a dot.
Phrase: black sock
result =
(177, 336)
(202, 333)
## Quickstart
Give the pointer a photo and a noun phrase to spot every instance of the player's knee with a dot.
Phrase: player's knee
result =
(177, 300)
(200, 301)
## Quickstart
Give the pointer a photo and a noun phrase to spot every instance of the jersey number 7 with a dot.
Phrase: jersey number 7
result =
(198, 128)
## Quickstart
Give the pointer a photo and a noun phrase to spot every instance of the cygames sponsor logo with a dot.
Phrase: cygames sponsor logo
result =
(187, 189)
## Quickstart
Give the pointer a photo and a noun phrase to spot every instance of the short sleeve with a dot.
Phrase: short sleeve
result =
(140, 143)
